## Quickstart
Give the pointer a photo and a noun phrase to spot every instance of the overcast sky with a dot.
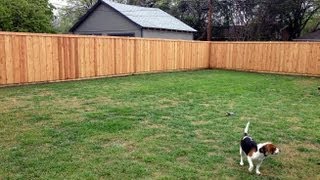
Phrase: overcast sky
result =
(58, 2)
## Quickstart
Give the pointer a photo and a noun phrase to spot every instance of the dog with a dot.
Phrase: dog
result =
(255, 153)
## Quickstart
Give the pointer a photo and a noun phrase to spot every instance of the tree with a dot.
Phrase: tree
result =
(299, 13)
(313, 24)
(265, 20)
(69, 14)
(26, 16)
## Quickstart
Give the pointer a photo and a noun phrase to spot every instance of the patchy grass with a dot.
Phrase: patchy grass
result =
(160, 126)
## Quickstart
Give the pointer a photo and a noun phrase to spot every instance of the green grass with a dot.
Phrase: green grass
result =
(159, 126)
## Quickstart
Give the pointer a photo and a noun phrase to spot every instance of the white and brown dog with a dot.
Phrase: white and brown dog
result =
(255, 153)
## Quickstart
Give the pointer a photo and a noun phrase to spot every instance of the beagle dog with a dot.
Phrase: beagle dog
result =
(255, 153)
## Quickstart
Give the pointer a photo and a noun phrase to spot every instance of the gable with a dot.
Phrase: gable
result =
(102, 18)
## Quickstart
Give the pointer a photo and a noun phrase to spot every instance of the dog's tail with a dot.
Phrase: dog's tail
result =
(246, 129)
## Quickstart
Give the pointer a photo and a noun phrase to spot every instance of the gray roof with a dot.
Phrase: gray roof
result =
(150, 17)
(313, 36)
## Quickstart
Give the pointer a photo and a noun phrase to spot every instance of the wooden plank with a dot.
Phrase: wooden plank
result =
(36, 57)
(118, 52)
(285, 58)
(125, 59)
(23, 60)
(241, 56)
(153, 58)
(43, 59)
(170, 46)
(76, 58)
(91, 72)
(316, 56)
(132, 56)
(164, 64)
(86, 60)
(3, 69)
(179, 54)
(194, 56)
(66, 58)
(234, 56)
(109, 58)
(189, 55)
(55, 58)
(128, 59)
(72, 65)
(274, 58)
(204, 55)
(49, 58)
(308, 64)
(176, 59)
(61, 58)
(314, 59)
(30, 60)
(256, 57)
(9, 60)
(159, 56)
(95, 62)
(171, 56)
(269, 57)
(222, 55)
(15, 48)
(293, 58)
(213, 62)
(81, 56)
(282, 58)
(139, 65)
(100, 66)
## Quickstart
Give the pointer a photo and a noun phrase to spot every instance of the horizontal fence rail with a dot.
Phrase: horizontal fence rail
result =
(31, 58)
(278, 57)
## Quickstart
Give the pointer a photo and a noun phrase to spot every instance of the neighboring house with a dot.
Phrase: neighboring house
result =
(314, 36)
(115, 19)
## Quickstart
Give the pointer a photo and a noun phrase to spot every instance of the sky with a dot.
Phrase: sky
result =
(58, 4)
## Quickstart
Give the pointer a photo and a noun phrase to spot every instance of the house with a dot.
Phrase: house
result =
(313, 36)
(115, 19)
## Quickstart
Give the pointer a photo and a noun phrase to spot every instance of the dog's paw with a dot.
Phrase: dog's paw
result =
(250, 169)
(241, 163)
(258, 173)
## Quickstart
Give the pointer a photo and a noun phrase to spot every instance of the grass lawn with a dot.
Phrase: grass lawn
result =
(159, 126)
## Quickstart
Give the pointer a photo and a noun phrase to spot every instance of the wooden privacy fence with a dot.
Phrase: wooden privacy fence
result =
(279, 57)
(29, 58)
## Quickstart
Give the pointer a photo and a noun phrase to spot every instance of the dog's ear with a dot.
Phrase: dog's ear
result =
(271, 148)
(268, 149)
(263, 150)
